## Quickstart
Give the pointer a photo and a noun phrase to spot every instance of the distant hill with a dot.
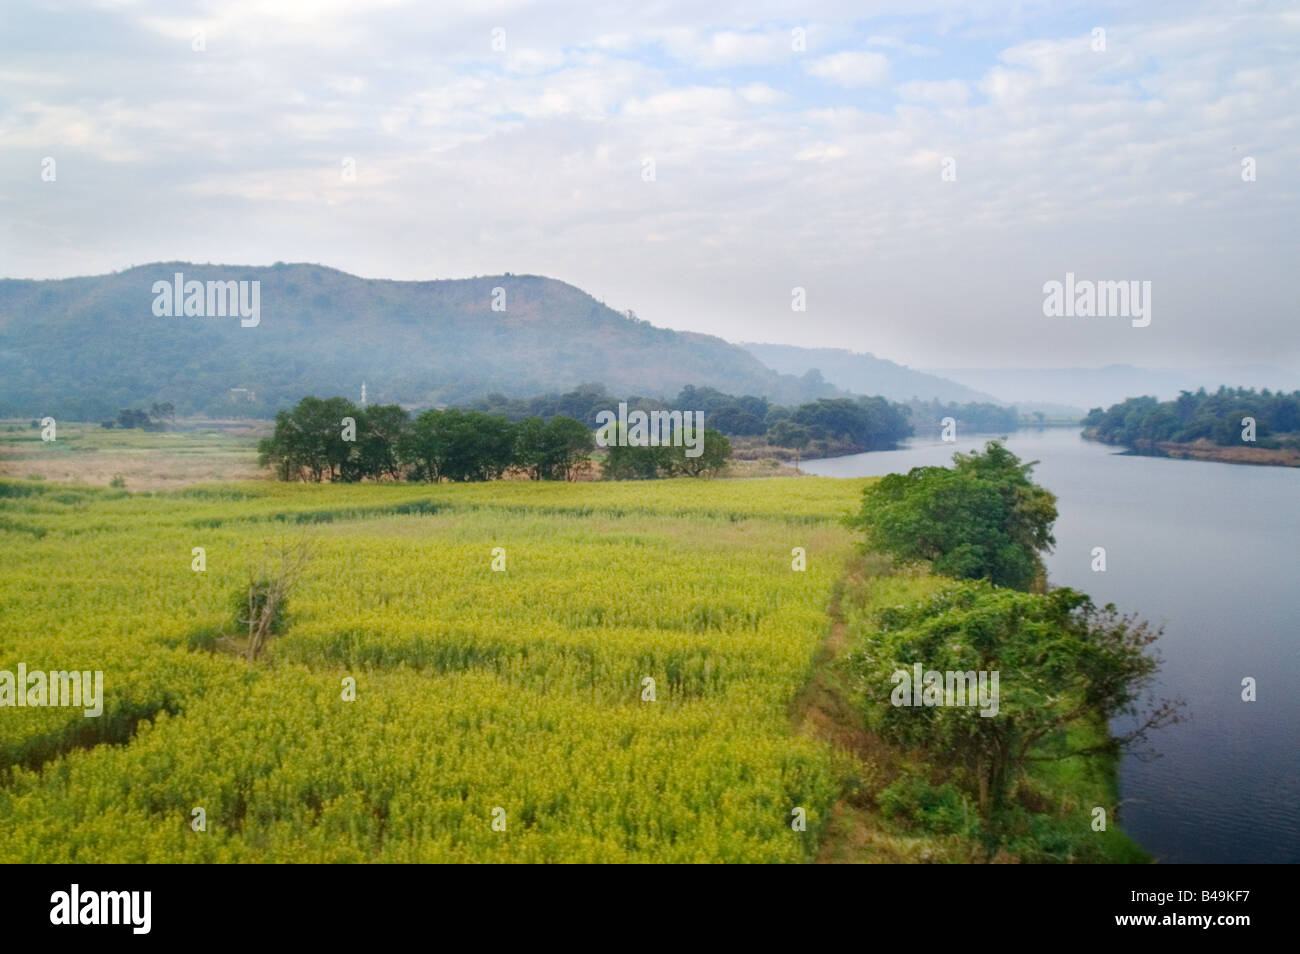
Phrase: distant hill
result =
(1102, 387)
(84, 347)
(865, 373)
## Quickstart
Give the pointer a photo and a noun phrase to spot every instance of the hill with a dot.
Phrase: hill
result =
(83, 347)
(865, 373)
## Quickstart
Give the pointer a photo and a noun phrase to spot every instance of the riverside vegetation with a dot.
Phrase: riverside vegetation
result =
(1230, 424)
(461, 674)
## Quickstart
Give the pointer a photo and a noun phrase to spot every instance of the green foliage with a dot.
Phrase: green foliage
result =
(248, 602)
(1143, 421)
(636, 462)
(914, 802)
(981, 518)
(308, 442)
(862, 424)
(1062, 663)
(552, 450)
(715, 450)
(466, 445)
(627, 461)
(379, 430)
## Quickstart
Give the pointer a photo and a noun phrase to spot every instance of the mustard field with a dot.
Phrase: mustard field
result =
(619, 688)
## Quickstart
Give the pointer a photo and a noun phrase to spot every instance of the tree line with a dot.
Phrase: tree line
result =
(1216, 417)
(332, 439)
(829, 425)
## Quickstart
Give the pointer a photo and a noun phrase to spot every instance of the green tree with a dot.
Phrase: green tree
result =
(568, 446)
(380, 428)
(715, 451)
(786, 433)
(1064, 665)
(982, 518)
(531, 451)
(634, 462)
(308, 441)
(458, 445)
(420, 446)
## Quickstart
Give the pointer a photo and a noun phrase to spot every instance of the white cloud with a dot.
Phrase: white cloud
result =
(851, 69)
(760, 94)
(948, 93)
(728, 48)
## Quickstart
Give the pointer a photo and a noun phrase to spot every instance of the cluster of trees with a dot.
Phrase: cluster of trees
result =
(725, 413)
(1142, 421)
(1067, 667)
(154, 419)
(827, 425)
(333, 439)
(632, 462)
(839, 425)
(982, 518)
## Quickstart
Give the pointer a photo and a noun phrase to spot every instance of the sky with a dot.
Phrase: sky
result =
(919, 169)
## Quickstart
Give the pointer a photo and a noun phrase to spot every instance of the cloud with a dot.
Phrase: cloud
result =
(949, 93)
(851, 69)
(771, 172)
(728, 48)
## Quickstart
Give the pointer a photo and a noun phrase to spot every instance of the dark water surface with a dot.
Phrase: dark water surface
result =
(1212, 552)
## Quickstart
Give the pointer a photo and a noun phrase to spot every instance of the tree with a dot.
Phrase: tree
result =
(715, 451)
(531, 447)
(476, 446)
(634, 462)
(420, 446)
(568, 445)
(458, 445)
(1066, 669)
(308, 441)
(786, 433)
(982, 518)
(379, 431)
(131, 417)
(261, 606)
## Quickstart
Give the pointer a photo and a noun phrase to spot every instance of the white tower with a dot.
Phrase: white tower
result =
(363, 393)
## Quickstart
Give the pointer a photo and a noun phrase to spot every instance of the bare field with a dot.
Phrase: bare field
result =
(92, 455)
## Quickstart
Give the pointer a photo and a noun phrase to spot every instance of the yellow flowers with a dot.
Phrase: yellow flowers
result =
(475, 690)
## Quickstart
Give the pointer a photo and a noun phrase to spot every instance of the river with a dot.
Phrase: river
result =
(1210, 551)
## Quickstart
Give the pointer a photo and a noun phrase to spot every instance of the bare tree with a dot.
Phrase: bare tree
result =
(266, 596)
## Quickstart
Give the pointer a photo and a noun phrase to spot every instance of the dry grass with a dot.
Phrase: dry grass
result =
(168, 460)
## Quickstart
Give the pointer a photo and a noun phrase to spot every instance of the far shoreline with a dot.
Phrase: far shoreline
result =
(1204, 450)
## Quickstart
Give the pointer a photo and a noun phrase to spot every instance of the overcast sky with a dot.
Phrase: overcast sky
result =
(774, 167)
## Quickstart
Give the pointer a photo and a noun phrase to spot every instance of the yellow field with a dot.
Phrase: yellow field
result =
(476, 690)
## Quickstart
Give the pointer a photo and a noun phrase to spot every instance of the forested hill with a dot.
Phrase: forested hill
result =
(82, 348)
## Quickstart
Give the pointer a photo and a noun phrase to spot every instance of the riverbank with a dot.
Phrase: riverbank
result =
(1204, 450)
(757, 448)
(907, 806)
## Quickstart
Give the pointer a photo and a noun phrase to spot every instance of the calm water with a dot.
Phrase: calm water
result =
(1211, 551)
